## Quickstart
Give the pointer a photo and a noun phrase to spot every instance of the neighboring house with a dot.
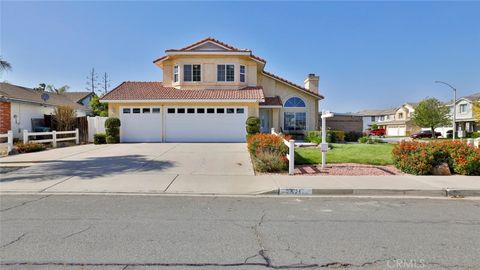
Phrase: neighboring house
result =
(347, 122)
(464, 118)
(19, 105)
(82, 98)
(209, 89)
(395, 121)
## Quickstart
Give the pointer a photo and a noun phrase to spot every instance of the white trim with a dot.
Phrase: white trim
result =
(270, 106)
(182, 100)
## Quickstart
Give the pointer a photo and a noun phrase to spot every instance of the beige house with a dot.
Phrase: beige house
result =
(395, 121)
(209, 88)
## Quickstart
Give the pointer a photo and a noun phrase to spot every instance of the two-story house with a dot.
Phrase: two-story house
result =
(395, 121)
(464, 116)
(209, 89)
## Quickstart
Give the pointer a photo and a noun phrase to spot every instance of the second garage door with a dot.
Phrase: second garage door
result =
(141, 124)
(205, 124)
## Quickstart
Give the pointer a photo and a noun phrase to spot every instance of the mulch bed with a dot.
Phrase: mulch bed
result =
(346, 169)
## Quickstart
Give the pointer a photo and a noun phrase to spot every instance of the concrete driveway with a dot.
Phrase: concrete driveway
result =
(149, 167)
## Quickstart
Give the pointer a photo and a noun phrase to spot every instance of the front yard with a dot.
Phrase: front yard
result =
(373, 154)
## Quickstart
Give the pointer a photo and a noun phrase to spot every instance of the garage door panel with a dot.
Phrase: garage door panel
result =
(225, 124)
(140, 124)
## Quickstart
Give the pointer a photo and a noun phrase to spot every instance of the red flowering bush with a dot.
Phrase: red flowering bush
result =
(268, 152)
(419, 158)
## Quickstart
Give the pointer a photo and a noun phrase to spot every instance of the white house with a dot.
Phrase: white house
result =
(19, 105)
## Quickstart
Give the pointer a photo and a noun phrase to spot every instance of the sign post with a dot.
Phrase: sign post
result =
(324, 144)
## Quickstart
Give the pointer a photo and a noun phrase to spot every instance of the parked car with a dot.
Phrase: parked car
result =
(425, 134)
(377, 132)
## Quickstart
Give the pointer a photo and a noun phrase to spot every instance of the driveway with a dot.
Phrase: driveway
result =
(125, 167)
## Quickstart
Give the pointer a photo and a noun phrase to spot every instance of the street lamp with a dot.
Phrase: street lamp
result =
(454, 105)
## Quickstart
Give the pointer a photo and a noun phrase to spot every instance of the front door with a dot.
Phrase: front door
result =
(264, 121)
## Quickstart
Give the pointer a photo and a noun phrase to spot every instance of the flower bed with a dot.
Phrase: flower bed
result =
(268, 152)
(420, 158)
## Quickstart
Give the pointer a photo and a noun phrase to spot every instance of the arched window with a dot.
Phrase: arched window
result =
(294, 119)
(294, 102)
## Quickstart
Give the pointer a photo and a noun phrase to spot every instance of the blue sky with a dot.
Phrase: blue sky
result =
(367, 54)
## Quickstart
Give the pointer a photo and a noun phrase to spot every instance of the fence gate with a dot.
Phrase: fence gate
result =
(82, 125)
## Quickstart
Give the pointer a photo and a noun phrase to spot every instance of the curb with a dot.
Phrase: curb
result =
(378, 192)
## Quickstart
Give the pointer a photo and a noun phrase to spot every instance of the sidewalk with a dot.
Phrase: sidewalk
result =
(147, 183)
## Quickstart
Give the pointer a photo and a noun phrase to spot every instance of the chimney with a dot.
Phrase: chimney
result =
(311, 82)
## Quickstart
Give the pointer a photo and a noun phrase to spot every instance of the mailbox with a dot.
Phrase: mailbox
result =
(324, 147)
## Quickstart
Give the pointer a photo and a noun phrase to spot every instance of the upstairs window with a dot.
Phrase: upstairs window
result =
(192, 73)
(225, 73)
(175, 73)
(242, 73)
(463, 108)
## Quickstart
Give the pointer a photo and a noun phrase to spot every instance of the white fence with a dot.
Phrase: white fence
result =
(291, 153)
(9, 143)
(96, 124)
(53, 134)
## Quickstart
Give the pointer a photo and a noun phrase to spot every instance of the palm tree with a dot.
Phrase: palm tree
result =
(4, 65)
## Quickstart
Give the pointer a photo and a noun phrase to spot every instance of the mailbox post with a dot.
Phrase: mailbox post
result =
(324, 144)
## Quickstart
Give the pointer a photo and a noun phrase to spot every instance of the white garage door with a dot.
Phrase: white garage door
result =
(205, 124)
(396, 131)
(140, 124)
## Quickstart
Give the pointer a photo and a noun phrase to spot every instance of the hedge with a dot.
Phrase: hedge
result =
(420, 158)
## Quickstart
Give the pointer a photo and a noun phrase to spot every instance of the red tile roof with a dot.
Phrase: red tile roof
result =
(156, 91)
(228, 46)
(272, 101)
(292, 84)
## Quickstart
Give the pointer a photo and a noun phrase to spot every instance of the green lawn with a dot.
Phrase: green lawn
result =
(374, 154)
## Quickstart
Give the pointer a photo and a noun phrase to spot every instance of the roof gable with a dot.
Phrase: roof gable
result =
(209, 46)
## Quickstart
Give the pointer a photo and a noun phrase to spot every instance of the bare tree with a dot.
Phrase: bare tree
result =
(92, 81)
(105, 83)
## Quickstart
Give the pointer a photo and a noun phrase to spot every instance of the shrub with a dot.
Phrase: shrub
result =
(419, 158)
(112, 122)
(65, 118)
(313, 136)
(363, 139)
(333, 136)
(268, 152)
(266, 143)
(29, 147)
(112, 139)
(112, 130)
(353, 136)
(252, 125)
(270, 162)
(100, 138)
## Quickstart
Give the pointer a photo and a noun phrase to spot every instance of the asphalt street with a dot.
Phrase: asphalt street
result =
(177, 232)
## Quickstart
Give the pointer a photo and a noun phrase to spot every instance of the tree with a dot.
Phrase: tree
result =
(476, 110)
(431, 113)
(98, 108)
(53, 89)
(65, 118)
(105, 83)
(41, 87)
(92, 81)
(4, 65)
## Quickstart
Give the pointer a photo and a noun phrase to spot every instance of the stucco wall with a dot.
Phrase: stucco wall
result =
(22, 113)
(273, 87)
(209, 71)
